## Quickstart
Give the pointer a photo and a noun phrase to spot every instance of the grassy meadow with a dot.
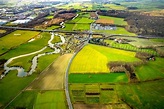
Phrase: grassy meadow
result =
(143, 43)
(40, 100)
(98, 78)
(81, 23)
(129, 47)
(15, 39)
(11, 85)
(147, 95)
(150, 71)
(39, 42)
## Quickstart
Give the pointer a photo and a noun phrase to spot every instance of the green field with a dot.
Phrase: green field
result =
(129, 47)
(94, 59)
(28, 60)
(39, 42)
(119, 31)
(81, 27)
(50, 100)
(117, 21)
(147, 95)
(68, 27)
(151, 70)
(15, 39)
(98, 78)
(96, 6)
(11, 85)
(50, 17)
(145, 5)
(85, 20)
(81, 23)
(28, 98)
(40, 100)
(143, 43)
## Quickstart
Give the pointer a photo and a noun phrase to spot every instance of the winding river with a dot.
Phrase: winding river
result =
(21, 71)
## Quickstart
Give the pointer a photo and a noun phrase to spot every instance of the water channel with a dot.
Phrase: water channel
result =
(21, 71)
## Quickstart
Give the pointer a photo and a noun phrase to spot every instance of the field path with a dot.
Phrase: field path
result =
(53, 77)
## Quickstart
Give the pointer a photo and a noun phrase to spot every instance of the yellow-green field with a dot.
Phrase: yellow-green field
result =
(94, 59)
(2, 31)
(15, 39)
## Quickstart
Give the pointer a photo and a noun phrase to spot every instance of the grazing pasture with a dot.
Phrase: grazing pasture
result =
(151, 70)
(129, 47)
(27, 60)
(50, 100)
(146, 95)
(11, 85)
(40, 100)
(39, 42)
(143, 43)
(15, 39)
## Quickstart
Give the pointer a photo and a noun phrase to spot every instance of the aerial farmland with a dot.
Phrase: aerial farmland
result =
(96, 54)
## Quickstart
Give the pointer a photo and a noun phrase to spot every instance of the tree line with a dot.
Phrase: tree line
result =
(138, 22)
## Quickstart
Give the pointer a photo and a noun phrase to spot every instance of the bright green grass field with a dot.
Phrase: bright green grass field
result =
(15, 39)
(45, 61)
(36, 45)
(40, 100)
(81, 27)
(98, 78)
(68, 27)
(50, 100)
(50, 17)
(11, 85)
(117, 21)
(94, 59)
(119, 31)
(151, 70)
(85, 20)
(147, 95)
(28, 98)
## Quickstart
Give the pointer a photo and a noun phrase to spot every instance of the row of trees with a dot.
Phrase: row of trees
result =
(8, 31)
(128, 68)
